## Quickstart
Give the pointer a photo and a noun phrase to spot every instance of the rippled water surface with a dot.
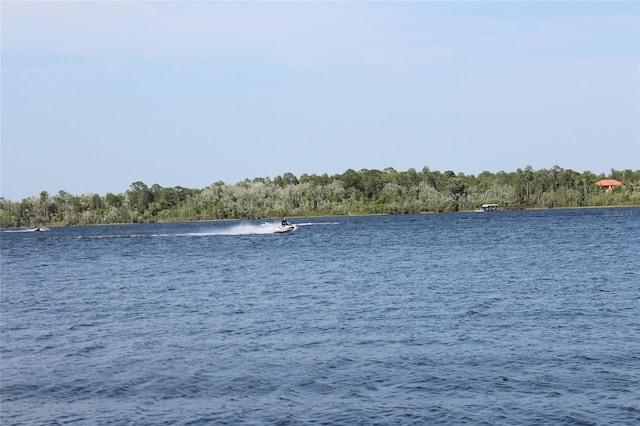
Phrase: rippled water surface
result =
(529, 317)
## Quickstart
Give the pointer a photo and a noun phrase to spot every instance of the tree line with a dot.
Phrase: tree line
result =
(368, 191)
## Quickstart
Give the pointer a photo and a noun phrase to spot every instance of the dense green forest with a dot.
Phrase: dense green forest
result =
(349, 193)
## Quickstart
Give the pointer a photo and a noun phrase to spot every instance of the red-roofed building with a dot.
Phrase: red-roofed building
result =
(610, 184)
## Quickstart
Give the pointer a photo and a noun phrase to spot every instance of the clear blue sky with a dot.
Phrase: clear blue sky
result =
(97, 95)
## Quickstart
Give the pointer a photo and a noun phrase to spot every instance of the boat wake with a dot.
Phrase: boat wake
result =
(254, 229)
(38, 229)
(266, 228)
(246, 229)
(317, 223)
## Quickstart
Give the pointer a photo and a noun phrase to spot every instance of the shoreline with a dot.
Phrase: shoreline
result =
(501, 210)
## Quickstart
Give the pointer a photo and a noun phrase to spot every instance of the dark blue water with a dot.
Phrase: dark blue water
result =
(529, 317)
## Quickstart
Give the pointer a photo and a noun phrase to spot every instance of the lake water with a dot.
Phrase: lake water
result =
(523, 317)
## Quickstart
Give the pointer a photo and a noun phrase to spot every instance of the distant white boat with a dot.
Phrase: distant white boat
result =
(488, 208)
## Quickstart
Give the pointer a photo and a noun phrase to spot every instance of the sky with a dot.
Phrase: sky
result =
(96, 95)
